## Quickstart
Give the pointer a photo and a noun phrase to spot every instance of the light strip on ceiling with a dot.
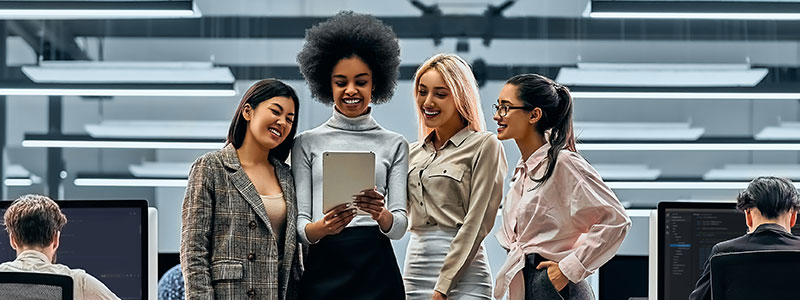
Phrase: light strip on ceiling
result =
(688, 147)
(130, 72)
(661, 75)
(719, 10)
(130, 182)
(43, 10)
(165, 92)
(18, 182)
(680, 185)
(120, 144)
(719, 16)
(684, 95)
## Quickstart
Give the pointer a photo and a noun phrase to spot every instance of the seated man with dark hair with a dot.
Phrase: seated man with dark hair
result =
(34, 225)
(770, 205)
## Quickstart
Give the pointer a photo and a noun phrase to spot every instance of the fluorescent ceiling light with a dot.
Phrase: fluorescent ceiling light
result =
(700, 146)
(159, 129)
(18, 182)
(131, 182)
(784, 131)
(681, 185)
(127, 72)
(728, 10)
(626, 172)
(17, 175)
(77, 141)
(661, 75)
(659, 131)
(683, 95)
(748, 172)
(161, 169)
(44, 10)
(132, 91)
(720, 16)
(60, 78)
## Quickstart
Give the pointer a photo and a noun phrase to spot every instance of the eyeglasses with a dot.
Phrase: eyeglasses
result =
(503, 109)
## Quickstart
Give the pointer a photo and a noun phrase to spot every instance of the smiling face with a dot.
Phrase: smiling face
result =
(517, 123)
(270, 122)
(351, 83)
(436, 103)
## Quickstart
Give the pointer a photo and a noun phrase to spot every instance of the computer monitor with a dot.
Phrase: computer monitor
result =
(106, 238)
(686, 232)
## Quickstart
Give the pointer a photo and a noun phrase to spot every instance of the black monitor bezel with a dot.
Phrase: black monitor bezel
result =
(142, 204)
(662, 207)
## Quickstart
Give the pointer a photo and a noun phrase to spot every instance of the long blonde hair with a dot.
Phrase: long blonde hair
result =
(457, 74)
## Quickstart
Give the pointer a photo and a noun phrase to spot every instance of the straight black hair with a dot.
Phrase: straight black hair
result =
(261, 91)
(773, 196)
(555, 101)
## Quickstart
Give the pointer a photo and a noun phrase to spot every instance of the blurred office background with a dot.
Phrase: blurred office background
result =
(101, 107)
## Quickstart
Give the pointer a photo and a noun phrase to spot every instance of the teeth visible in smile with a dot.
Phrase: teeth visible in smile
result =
(502, 126)
(430, 112)
(275, 132)
(351, 101)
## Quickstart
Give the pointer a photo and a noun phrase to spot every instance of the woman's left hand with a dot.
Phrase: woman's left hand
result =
(372, 202)
(438, 296)
(554, 273)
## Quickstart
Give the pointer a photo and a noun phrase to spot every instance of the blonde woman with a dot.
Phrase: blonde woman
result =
(455, 184)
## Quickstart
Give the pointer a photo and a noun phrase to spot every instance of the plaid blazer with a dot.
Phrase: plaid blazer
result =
(228, 250)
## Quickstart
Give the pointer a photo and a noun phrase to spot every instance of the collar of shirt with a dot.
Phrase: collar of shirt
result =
(533, 161)
(456, 140)
(769, 227)
(34, 255)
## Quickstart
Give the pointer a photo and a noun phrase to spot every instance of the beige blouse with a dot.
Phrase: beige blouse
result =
(457, 186)
(276, 212)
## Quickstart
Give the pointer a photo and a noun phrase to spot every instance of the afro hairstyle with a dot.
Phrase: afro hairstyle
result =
(345, 35)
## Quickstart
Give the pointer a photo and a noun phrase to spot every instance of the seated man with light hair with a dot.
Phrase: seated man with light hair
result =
(34, 225)
(770, 205)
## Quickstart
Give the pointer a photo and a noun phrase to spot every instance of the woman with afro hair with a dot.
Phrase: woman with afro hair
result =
(350, 61)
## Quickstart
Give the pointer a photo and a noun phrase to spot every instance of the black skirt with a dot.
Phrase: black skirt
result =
(357, 263)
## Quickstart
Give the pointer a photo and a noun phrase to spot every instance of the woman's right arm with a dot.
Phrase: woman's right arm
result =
(197, 219)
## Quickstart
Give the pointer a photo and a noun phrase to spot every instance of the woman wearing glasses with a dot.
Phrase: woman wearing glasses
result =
(560, 221)
(455, 184)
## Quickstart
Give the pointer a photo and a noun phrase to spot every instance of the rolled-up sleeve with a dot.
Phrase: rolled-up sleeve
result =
(396, 192)
(595, 207)
(486, 193)
(197, 219)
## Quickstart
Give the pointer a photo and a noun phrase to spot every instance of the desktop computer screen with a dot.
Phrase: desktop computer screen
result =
(687, 232)
(106, 238)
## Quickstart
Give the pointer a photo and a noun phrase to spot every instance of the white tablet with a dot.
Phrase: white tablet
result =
(344, 174)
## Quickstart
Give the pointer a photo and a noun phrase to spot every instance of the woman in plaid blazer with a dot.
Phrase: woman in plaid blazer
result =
(239, 214)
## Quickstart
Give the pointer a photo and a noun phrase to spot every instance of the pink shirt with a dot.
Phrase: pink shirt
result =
(573, 218)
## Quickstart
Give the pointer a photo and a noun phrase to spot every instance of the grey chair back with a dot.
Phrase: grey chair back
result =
(35, 286)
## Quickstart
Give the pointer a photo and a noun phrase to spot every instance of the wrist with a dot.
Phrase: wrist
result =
(313, 232)
(385, 220)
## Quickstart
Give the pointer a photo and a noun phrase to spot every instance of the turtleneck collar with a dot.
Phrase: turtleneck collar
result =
(361, 123)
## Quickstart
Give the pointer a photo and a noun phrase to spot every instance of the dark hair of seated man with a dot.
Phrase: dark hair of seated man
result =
(770, 205)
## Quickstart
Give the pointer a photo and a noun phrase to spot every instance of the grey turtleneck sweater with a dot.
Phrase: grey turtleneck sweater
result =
(341, 133)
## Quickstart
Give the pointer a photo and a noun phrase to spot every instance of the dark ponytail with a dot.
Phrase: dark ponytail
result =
(555, 102)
